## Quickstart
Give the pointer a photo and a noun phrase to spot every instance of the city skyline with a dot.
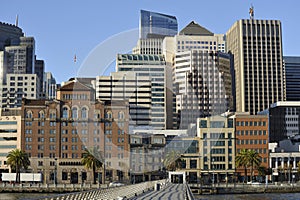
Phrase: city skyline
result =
(59, 37)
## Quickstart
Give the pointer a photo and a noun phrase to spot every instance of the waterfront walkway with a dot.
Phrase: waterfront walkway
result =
(123, 192)
(170, 191)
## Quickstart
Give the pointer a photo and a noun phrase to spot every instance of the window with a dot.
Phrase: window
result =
(74, 113)
(41, 115)
(121, 115)
(65, 112)
(203, 124)
(108, 115)
(97, 114)
(40, 163)
(84, 113)
(52, 115)
(193, 164)
(64, 176)
(29, 114)
(41, 123)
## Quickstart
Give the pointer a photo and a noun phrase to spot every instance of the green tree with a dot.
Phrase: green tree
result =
(172, 160)
(254, 160)
(17, 160)
(92, 159)
(242, 160)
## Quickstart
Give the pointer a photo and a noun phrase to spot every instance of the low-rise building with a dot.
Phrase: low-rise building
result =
(251, 132)
(216, 148)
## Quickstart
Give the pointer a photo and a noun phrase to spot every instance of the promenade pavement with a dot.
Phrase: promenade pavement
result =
(171, 191)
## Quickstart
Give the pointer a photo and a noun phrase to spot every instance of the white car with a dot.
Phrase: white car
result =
(115, 184)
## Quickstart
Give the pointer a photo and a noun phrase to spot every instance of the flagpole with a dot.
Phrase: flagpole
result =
(75, 60)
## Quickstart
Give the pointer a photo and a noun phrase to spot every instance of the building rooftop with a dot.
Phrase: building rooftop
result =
(140, 57)
(195, 29)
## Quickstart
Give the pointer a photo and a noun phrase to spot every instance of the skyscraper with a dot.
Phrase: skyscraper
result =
(9, 35)
(201, 73)
(257, 49)
(292, 77)
(153, 68)
(157, 23)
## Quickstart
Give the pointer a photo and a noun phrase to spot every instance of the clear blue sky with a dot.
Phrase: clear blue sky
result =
(63, 28)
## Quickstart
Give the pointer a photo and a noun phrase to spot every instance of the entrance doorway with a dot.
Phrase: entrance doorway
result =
(74, 177)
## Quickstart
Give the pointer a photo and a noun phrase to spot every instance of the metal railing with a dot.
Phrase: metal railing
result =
(127, 191)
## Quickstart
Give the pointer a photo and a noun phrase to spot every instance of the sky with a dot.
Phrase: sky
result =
(63, 28)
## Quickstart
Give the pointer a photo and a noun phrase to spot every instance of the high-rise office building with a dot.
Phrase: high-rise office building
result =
(19, 86)
(203, 85)
(39, 69)
(292, 77)
(151, 67)
(284, 120)
(18, 64)
(21, 58)
(128, 86)
(157, 23)
(257, 49)
(49, 86)
(9, 35)
(149, 46)
(201, 73)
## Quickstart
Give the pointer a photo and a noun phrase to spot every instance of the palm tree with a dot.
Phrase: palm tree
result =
(254, 160)
(242, 160)
(17, 160)
(92, 159)
(172, 160)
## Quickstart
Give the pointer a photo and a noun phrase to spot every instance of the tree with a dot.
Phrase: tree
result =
(241, 160)
(17, 160)
(172, 160)
(254, 160)
(92, 159)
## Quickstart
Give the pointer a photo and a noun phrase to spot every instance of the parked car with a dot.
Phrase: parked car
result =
(115, 184)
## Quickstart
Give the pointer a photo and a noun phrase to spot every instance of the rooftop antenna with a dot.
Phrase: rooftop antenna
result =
(17, 20)
(251, 12)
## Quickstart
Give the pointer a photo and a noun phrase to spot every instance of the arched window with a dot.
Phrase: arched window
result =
(28, 114)
(97, 114)
(84, 113)
(108, 115)
(65, 113)
(74, 113)
(41, 114)
(121, 115)
(52, 115)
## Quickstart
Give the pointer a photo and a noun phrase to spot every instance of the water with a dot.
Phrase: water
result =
(20, 196)
(264, 196)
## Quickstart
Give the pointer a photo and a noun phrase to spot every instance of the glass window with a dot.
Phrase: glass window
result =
(84, 113)
(74, 113)
(65, 112)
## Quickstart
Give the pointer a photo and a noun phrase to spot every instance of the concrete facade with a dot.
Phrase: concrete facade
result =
(258, 63)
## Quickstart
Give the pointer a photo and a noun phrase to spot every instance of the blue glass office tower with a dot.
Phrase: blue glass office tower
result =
(157, 23)
(292, 74)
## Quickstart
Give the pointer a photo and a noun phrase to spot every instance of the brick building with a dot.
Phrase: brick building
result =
(252, 134)
(56, 134)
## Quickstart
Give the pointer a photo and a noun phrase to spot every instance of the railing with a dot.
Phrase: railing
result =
(189, 193)
(127, 191)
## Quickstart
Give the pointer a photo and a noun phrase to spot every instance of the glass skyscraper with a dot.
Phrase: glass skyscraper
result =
(157, 23)
(292, 73)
